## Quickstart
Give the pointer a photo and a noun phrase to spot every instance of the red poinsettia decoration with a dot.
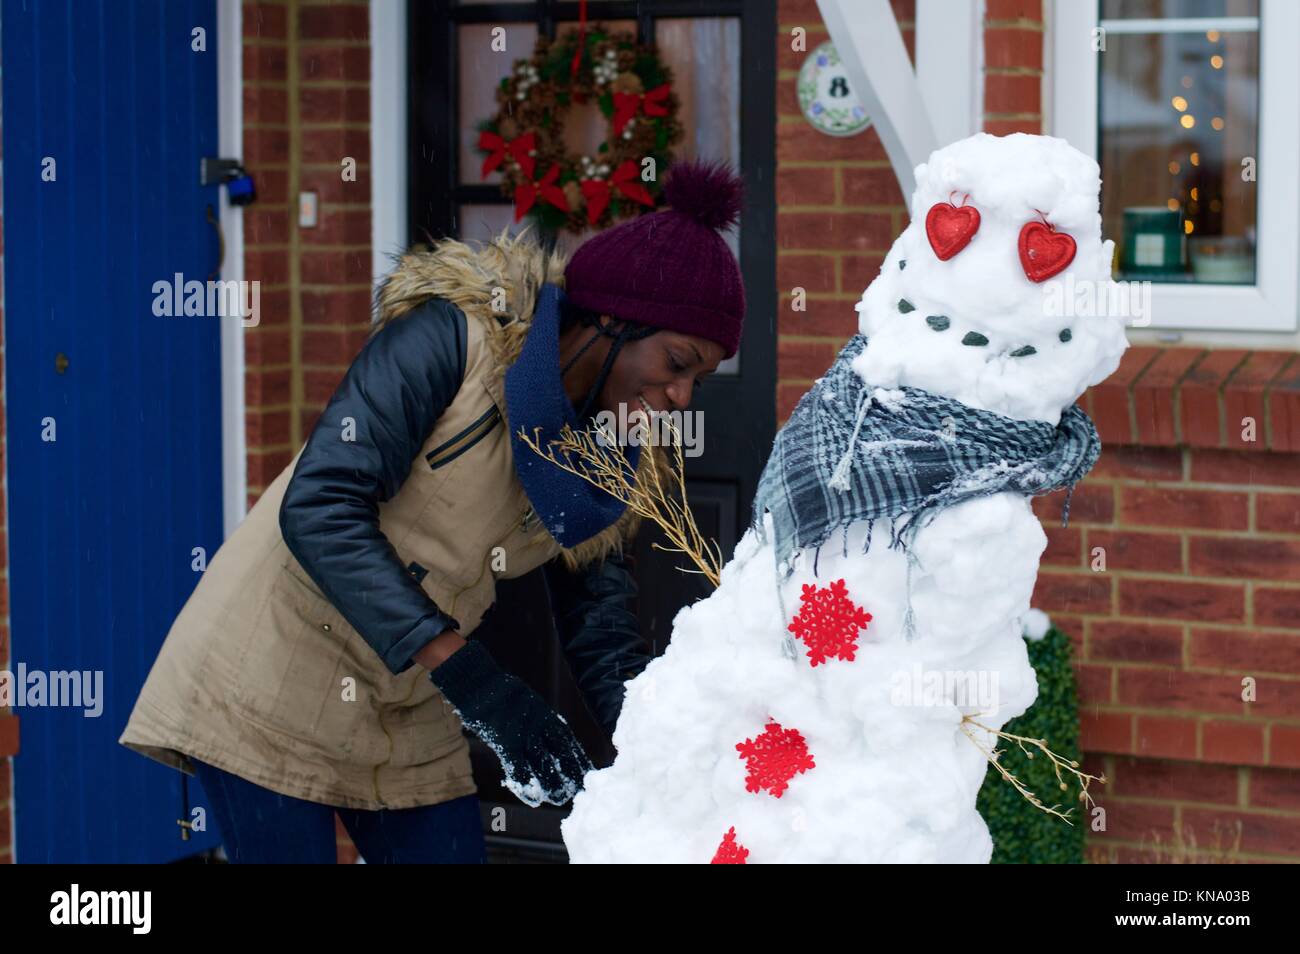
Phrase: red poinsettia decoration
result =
(624, 179)
(829, 622)
(627, 105)
(523, 149)
(730, 851)
(544, 188)
(774, 758)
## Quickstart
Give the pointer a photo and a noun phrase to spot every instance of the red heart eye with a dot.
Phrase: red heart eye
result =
(1044, 252)
(950, 228)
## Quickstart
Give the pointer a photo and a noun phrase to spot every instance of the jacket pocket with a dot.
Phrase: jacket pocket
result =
(470, 435)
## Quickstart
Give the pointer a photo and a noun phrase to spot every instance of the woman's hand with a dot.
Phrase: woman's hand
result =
(439, 648)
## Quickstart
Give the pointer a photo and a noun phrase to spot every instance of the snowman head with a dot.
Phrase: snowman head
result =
(998, 293)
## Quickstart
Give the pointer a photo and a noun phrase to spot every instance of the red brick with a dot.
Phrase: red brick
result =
(266, 428)
(265, 63)
(319, 386)
(339, 227)
(1139, 463)
(857, 231)
(1284, 745)
(1277, 607)
(343, 308)
(1284, 410)
(1104, 731)
(1073, 593)
(1142, 822)
(1260, 833)
(1174, 781)
(1064, 546)
(1125, 641)
(1232, 743)
(1091, 503)
(870, 186)
(1250, 558)
(1277, 513)
(812, 273)
(1153, 396)
(1275, 788)
(1013, 94)
(1201, 397)
(264, 345)
(1245, 650)
(265, 467)
(266, 387)
(334, 63)
(1109, 403)
(803, 185)
(1005, 127)
(270, 267)
(803, 359)
(787, 396)
(334, 22)
(1255, 468)
(266, 226)
(1168, 737)
(1164, 688)
(1011, 47)
(824, 317)
(322, 346)
(1276, 697)
(796, 141)
(1170, 507)
(265, 147)
(1147, 552)
(272, 187)
(264, 21)
(859, 271)
(1094, 682)
(10, 737)
(335, 268)
(1243, 396)
(331, 146)
(320, 104)
(265, 105)
(1174, 599)
(999, 10)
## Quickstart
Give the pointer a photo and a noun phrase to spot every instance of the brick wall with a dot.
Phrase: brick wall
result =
(306, 110)
(1200, 529)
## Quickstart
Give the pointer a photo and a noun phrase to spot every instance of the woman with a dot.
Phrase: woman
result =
(321, 663)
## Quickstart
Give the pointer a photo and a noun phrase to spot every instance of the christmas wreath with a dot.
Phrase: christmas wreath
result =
(525, 139)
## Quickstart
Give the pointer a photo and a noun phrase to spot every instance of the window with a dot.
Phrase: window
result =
(1190, 107)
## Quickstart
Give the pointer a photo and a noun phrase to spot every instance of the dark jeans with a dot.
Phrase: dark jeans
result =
(260, 826)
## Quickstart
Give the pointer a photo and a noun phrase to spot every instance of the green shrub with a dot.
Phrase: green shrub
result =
(1023, 834)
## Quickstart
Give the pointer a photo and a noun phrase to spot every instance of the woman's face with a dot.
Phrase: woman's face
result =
(662, 369)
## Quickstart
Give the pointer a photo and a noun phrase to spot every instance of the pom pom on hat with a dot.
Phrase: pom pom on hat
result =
(709, 192)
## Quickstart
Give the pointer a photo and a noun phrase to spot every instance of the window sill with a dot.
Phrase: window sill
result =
(1196, 397)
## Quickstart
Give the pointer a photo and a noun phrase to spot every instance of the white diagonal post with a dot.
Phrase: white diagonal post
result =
(868, 41)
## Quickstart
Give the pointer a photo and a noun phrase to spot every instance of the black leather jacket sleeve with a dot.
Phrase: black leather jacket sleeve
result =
(388, 403)
(599, 632)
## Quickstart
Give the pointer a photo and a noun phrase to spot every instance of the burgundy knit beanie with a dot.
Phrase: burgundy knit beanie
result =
(671, 268)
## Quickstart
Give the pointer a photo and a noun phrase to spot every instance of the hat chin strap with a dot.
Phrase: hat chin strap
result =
(627, 332)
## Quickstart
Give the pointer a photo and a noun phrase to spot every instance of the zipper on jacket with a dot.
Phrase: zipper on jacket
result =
(452, 448)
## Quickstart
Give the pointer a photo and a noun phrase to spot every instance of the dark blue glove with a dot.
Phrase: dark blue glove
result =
(542, 759)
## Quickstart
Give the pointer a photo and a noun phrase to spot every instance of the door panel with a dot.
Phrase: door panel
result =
(104, 519)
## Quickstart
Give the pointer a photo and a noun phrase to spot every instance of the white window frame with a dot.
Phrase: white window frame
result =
(1272, 303)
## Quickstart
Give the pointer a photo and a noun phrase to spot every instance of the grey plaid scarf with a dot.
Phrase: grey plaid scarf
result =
(854, 452)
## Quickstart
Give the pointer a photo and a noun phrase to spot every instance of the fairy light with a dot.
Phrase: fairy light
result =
(1179, 103)
(1194, 192)
(1187, 120)
(1173, 205)
(1195, 158)
(1188, 226)
(1174, 168)
(1216, 61)
(1217, 123)
(1187, 82)
(1212, 36)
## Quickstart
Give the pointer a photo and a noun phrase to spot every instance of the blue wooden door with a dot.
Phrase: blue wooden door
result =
(108, 109)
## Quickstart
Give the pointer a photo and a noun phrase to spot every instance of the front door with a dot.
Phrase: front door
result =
(457, 61)
(113, 413)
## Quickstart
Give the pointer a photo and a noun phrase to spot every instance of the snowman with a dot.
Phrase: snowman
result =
(834, 699)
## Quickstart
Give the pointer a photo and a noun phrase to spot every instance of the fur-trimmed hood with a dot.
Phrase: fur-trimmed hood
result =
(497, 283)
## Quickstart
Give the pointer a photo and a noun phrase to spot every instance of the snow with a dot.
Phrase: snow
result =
(1036, 624)
(895, 775)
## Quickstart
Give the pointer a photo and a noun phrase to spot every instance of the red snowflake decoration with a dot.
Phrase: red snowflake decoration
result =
(730, 852)
(774, 758)
(829, 622)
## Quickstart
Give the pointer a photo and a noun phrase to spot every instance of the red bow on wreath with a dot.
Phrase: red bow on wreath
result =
(528, 192)
(626, 105)
(597, 191)
(520, 147)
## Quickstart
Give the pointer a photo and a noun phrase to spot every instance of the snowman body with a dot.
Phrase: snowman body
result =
(784, 725)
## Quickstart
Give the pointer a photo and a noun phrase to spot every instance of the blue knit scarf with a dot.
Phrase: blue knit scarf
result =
(572, 509)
